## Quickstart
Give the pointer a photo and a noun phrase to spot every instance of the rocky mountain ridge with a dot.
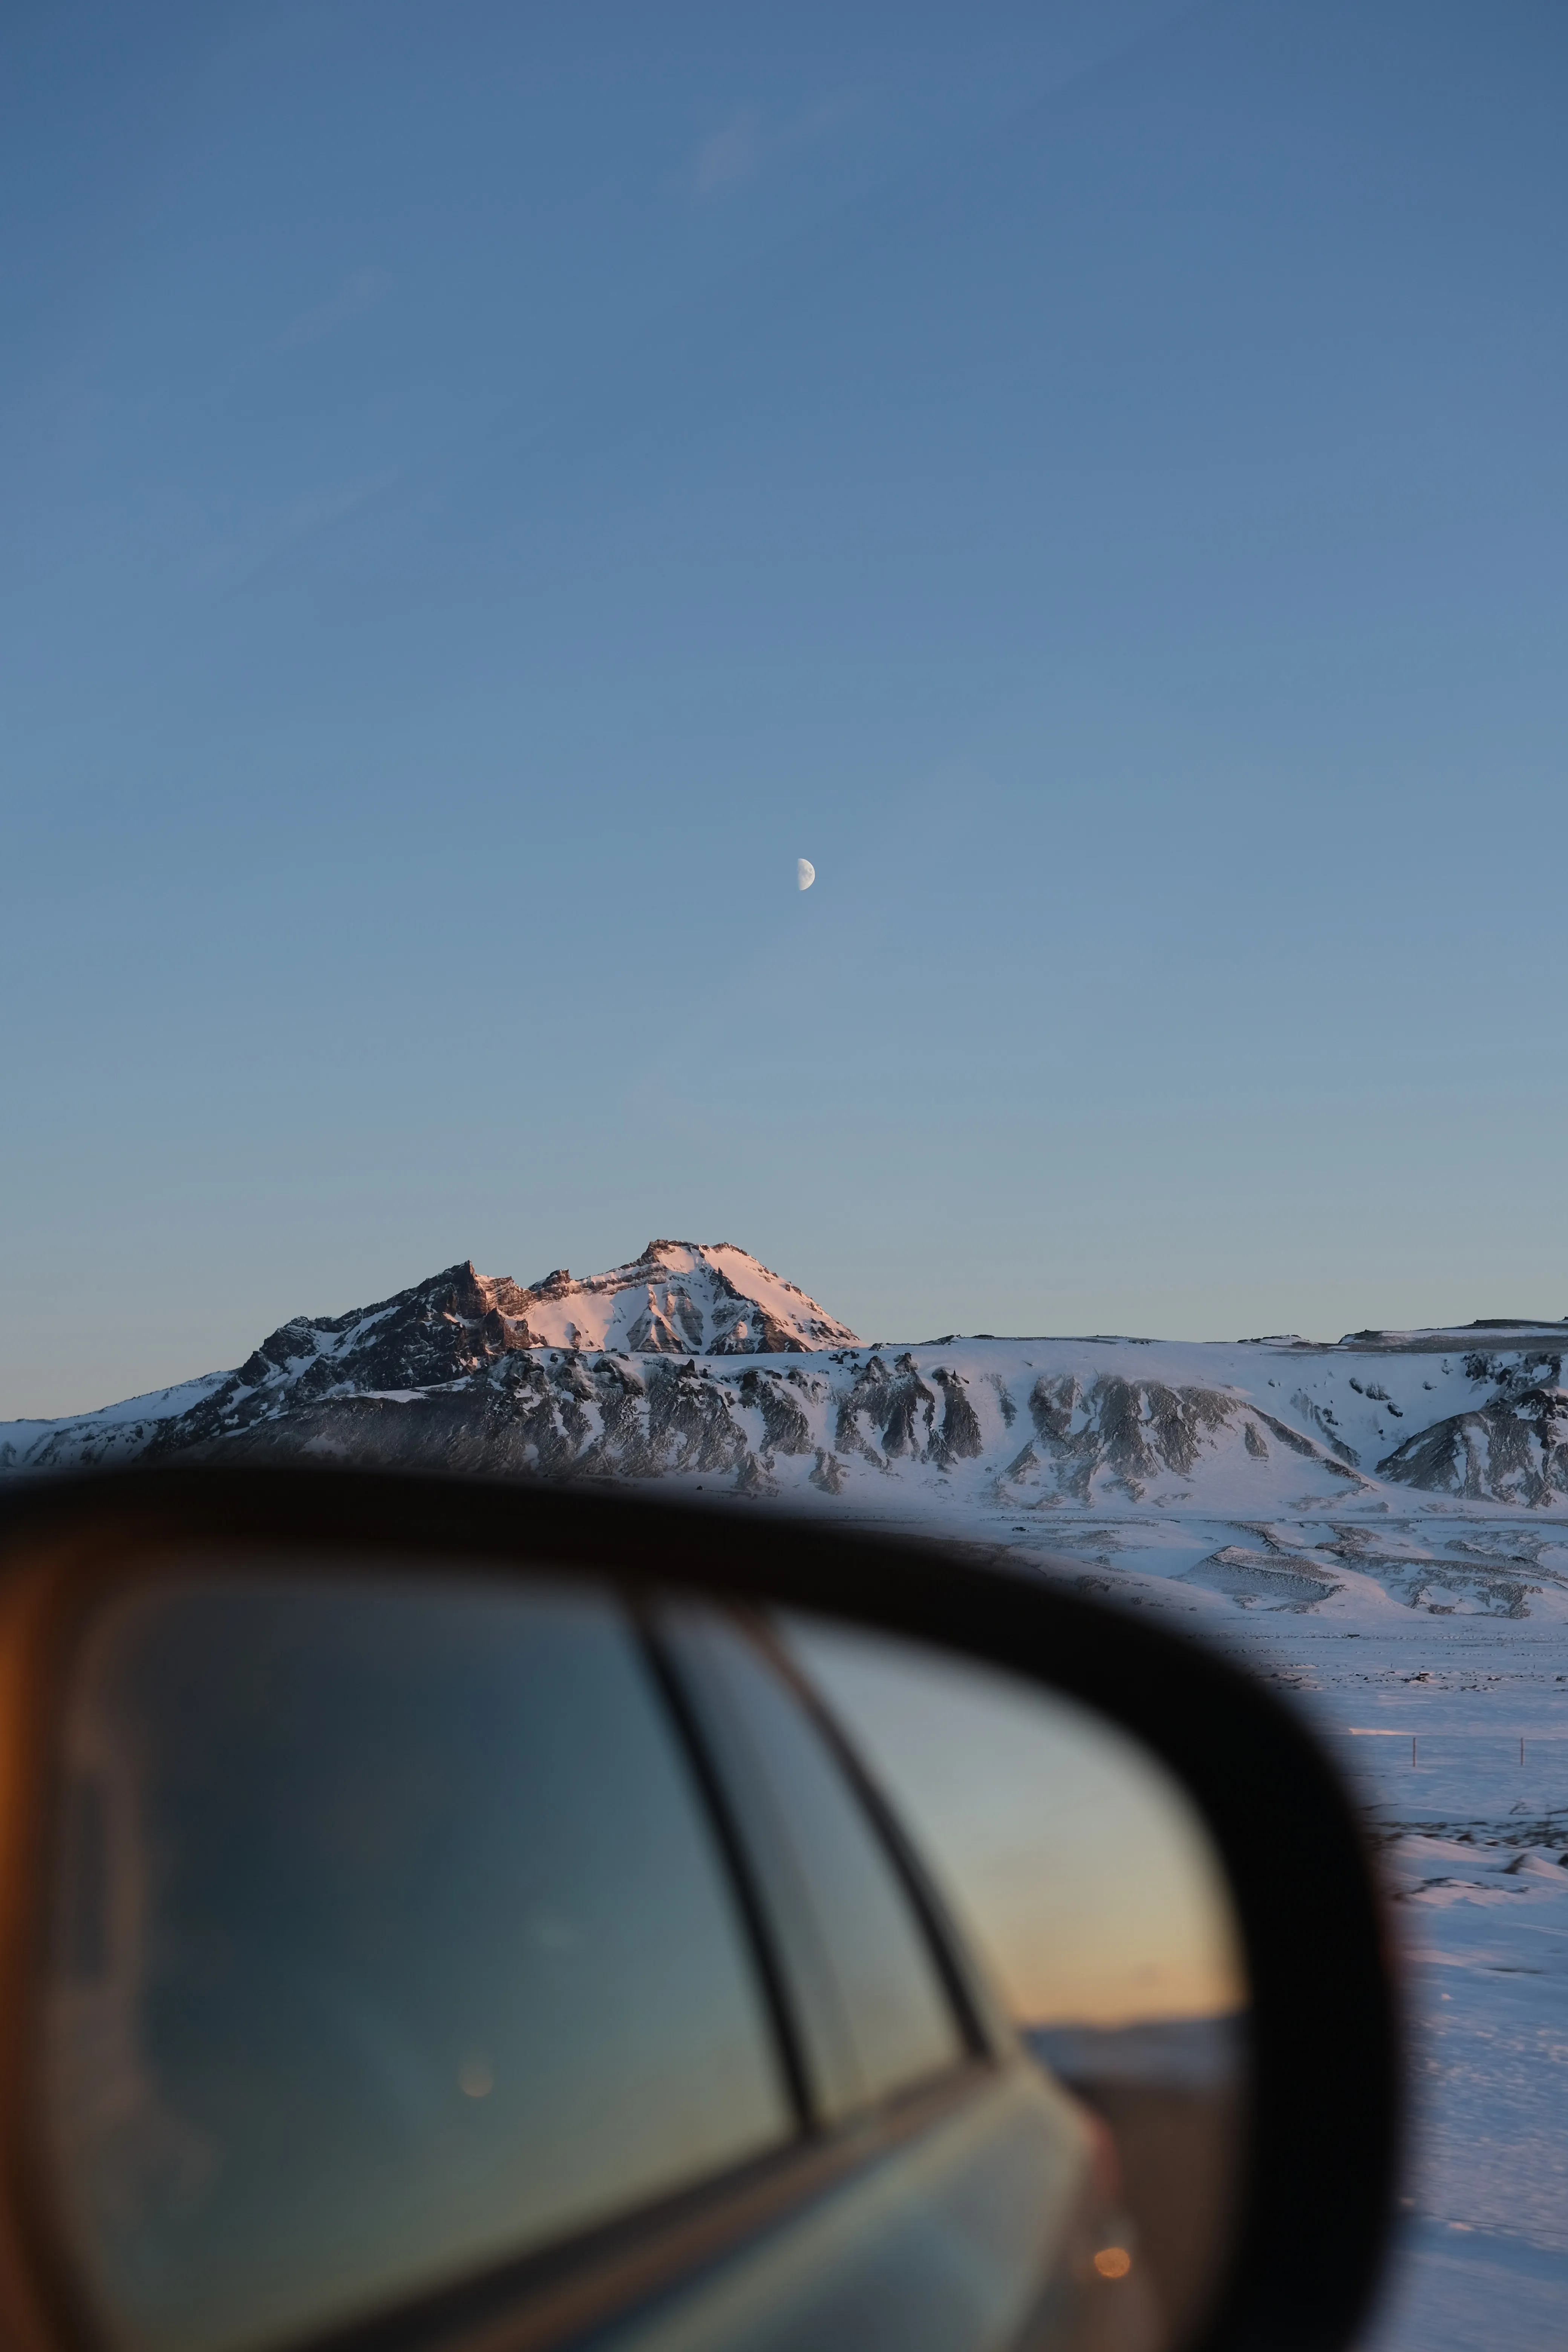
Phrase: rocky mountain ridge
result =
(676, 1297)
(694, 1364)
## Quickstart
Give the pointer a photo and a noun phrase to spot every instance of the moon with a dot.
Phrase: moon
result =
(804, 873)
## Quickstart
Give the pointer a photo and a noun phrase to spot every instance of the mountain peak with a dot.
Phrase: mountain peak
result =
(679, 1297)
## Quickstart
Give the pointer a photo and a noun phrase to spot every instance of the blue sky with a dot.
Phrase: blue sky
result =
(483, 488)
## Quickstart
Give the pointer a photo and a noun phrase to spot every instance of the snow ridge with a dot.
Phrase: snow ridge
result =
(1413, 1469)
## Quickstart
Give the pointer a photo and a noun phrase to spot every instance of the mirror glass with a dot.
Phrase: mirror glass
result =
(1084, 1876)
(417, 1936)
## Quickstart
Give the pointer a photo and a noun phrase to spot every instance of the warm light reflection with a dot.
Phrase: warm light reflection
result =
(1113, 2262)
(1080, 1866)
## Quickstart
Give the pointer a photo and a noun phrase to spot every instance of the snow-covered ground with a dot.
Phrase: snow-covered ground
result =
(1473, 1842)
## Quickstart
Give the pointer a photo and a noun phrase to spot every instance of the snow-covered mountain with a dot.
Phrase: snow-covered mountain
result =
(677, 1298)
(1431, 1466)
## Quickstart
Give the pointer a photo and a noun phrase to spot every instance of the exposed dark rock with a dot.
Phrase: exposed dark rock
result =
(1322, 1419)
(899, 1404)
(1513, 1450)
(762, 1335)
(1248, 1575)
(671, 1329)
(961, 1438)
(829, 1474)
(785, 1427)
(1130, 1431)
(690, 1425)
(1293, 1437)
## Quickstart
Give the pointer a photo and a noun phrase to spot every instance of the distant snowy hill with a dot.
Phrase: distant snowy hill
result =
(1423, 1468)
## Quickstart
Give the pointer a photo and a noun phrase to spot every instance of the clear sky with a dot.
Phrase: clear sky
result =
(485, 487)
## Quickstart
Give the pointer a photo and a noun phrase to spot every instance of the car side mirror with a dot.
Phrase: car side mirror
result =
(436, 1912)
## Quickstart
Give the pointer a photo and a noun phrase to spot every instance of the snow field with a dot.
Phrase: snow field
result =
(1473, 1846)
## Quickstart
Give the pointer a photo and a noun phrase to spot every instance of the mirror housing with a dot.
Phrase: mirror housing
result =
(1321, 2116)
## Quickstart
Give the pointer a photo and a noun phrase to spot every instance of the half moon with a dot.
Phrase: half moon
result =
(804, 873)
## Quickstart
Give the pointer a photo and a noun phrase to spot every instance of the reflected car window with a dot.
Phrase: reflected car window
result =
(1081, 1871)
(876, 2015)
(393, 1943)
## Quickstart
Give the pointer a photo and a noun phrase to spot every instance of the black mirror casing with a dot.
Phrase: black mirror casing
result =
(1321, 2134)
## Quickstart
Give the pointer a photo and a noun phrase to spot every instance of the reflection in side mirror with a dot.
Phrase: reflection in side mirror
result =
(428, 1949)
(389, 1942)
(1084, 1875)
